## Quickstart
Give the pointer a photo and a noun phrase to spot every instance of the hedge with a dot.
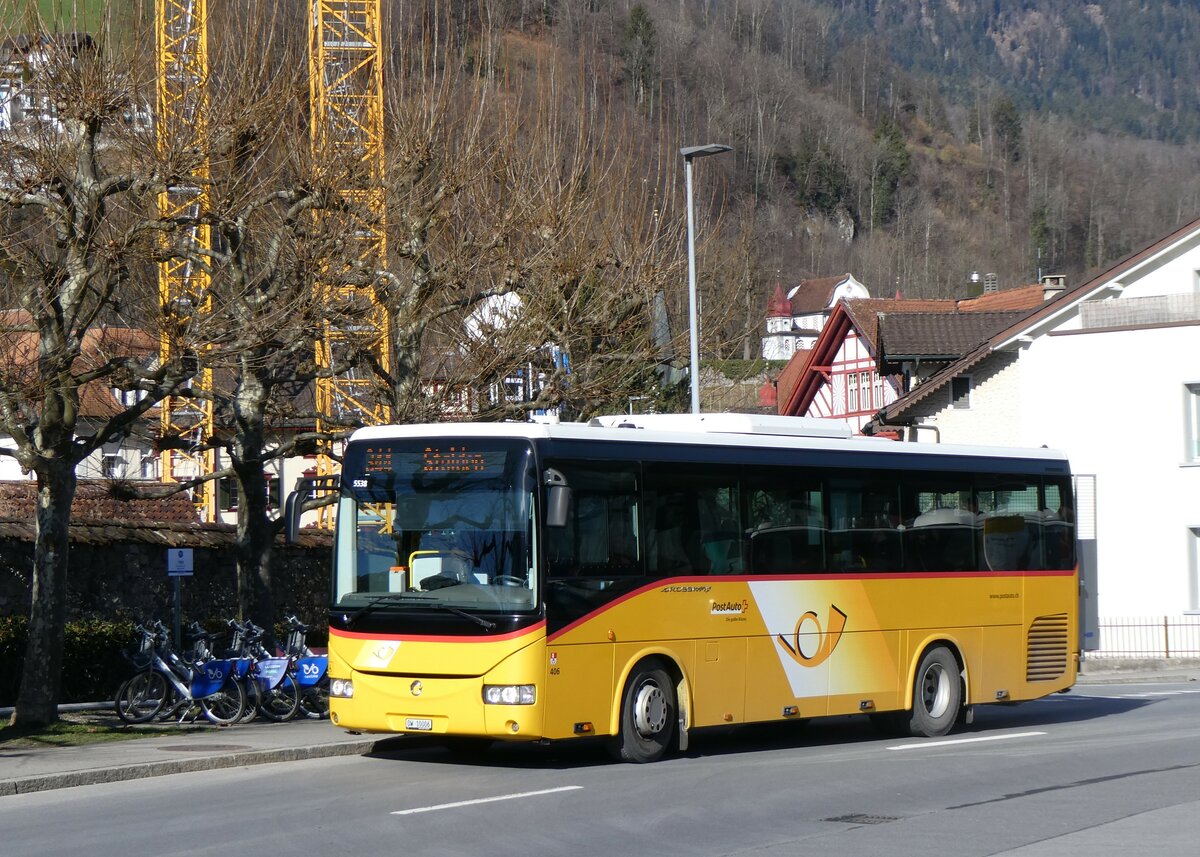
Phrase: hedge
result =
(93, 664)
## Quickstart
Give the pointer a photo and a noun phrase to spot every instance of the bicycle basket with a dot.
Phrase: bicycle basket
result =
(141, 654)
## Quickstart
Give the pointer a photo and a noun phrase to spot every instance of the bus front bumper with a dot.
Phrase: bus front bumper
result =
(439, 705)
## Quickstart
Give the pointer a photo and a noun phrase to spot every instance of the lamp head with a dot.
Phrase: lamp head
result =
(690, 152)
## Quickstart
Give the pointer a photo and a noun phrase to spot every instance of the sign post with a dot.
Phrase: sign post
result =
(179, 565)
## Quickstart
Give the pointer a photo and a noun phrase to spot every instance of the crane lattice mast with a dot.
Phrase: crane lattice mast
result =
(346, 91)
(182, 53)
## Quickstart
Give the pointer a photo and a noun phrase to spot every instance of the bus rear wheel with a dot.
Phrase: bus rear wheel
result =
(937, 694)
(649, 712)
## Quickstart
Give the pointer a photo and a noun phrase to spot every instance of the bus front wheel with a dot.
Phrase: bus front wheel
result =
(649, 712)
(937, 694)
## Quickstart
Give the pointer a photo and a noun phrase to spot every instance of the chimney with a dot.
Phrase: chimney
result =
(974, 284)
(1053, 285)
(991, 284)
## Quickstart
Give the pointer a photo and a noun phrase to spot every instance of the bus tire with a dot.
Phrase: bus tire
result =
(937, 694)
(649, 715)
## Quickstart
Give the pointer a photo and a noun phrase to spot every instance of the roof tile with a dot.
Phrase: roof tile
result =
(94, 503)
(937, 335)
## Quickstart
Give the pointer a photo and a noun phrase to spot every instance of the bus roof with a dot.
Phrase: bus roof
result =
(716, 429)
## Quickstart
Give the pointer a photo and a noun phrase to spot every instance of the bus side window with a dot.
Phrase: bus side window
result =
(786, 524)
(693, 521)
(941, 527)
(865, 533)
(601, 536)
(1058, 525)
(669, 535)
(1012, 523)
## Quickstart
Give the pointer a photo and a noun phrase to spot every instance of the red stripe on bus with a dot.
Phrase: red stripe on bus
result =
(529, 630)
(878, 575)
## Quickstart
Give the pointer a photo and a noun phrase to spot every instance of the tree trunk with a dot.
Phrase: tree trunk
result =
(255, 538)
(406, 336)
(41, 678)
(255, 529)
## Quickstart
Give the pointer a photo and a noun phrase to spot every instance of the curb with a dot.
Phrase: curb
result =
(47, 782)
(70, 706)
(1109, 666)
(1140, 678)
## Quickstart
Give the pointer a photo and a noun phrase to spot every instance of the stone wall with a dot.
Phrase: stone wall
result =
(122, 574)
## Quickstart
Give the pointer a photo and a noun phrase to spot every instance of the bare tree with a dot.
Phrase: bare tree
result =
(526, 221)
(77, 189)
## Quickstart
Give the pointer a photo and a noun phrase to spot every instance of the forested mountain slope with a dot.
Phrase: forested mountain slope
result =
(910, 142)
(1117, 65)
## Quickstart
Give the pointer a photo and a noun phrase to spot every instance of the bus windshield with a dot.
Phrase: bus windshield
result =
(440, 522)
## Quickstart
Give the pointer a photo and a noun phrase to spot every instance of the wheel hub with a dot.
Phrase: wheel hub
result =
(650, 710)
(935, 690)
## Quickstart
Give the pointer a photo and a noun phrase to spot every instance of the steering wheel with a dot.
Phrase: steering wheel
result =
(507, 580)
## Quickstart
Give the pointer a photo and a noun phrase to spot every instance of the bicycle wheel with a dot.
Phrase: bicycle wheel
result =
(142, 697)
(280, 702)
(314, 701)
(253, 699)
(176, 707)
(171, 704)
(225, 707)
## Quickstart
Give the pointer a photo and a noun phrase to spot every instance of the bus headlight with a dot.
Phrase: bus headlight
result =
(508, 694)
(341, 687)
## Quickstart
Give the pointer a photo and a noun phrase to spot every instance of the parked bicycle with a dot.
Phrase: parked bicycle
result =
(167, 681)
(311, 670)
(271, 690)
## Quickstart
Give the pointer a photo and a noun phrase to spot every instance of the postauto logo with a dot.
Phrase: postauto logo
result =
(730, 608)
(808, 631)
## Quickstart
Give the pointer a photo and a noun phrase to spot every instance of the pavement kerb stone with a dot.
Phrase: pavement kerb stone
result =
(1099, 666)
(1134, 670)
(87, 777)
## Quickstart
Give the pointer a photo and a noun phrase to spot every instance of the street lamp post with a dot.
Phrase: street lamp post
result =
(690, 153)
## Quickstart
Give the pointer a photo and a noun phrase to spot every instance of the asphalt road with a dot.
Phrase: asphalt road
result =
(1103, 769)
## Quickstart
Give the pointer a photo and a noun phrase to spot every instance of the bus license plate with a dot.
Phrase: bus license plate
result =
(418, 724)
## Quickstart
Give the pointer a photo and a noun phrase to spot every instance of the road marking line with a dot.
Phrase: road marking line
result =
(1151, 694)
(1147, 695)
(461, 803)
(954, 741)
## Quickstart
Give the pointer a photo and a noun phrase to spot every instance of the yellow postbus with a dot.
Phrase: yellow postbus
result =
(642, 577)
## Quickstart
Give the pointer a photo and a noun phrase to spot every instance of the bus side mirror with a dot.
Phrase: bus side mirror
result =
(321, 490)
(291, 517)
(558, 498)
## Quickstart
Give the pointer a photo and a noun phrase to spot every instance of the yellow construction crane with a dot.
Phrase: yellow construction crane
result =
(181, 27)
(346, 92)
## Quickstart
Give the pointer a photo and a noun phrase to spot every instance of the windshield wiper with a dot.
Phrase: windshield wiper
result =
(350, 618)
(478, 620)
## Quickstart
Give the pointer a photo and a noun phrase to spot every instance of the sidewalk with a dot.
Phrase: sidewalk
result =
(1138, 670)
(30, 769)
(24, 769)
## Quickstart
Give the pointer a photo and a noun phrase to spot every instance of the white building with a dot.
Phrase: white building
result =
(1110, 372)
(795, 319)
